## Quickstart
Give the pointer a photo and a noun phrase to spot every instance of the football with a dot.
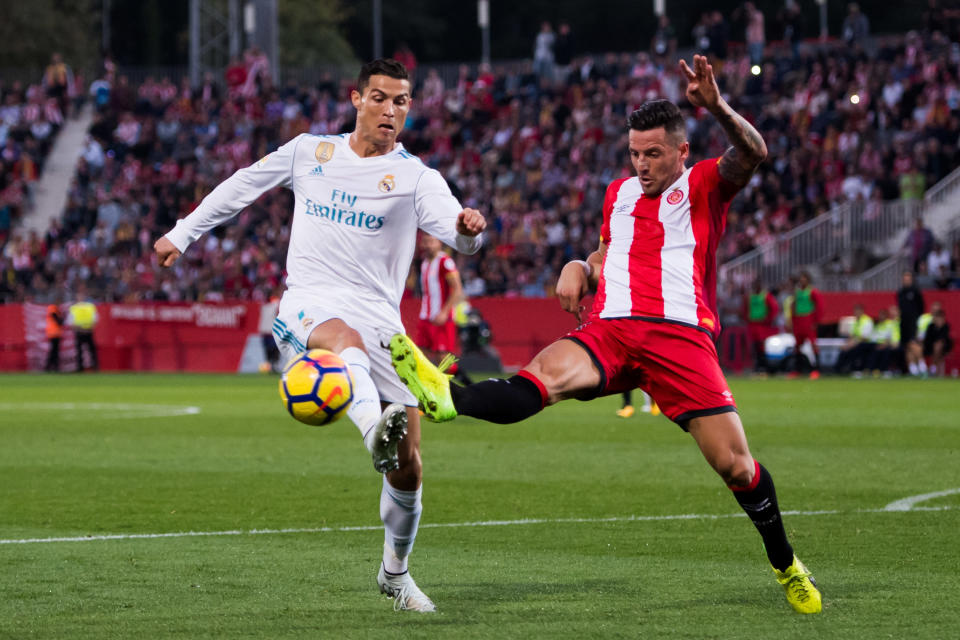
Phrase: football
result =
(316, 387)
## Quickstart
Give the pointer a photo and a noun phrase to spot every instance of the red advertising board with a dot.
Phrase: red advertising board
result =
(175, 337)
(212, 336)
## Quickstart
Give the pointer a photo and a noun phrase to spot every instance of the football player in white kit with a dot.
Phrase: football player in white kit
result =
(359, 200)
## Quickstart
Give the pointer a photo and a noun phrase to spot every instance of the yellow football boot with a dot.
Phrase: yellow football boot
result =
(801, 588)
(428, 382)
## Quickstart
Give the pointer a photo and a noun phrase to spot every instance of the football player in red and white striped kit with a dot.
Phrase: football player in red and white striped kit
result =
(441, 290)
(654, 317)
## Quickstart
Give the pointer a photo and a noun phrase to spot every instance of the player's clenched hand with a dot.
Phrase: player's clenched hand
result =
(702, 89)
(470, 222)
(167, 254)
(572, 286)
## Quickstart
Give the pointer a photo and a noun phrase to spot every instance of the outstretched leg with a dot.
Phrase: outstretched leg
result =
(563, 369)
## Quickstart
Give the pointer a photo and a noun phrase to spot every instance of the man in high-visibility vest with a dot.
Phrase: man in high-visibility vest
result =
(54, 332)
(760, 309)
(83, 318)
(859, 345)
(886, 341)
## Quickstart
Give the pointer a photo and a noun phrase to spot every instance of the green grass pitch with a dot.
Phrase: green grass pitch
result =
(574, 524)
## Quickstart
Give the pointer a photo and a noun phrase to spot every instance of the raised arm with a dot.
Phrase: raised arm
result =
(748, 149)
(229, 198)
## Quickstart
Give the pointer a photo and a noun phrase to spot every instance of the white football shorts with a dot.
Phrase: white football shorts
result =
(297, 317)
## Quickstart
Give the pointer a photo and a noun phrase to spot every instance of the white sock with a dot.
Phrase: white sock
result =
(646, 401)
(364, 411)
(914, 370)
(400, 512)
(922, 365)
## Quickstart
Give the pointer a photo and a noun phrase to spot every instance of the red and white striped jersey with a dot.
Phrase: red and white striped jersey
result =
(661, 252)
(433, 284)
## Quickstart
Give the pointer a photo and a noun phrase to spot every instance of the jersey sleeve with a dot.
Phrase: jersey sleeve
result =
(437, 212)
(608, 200)
(236, 193)
(447, 265)
(706, 182)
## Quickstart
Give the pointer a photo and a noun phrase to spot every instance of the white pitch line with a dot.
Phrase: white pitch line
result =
(906, 504)
(118, 410)
(434, 525)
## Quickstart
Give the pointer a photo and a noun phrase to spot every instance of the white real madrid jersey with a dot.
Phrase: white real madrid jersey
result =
(354, 225)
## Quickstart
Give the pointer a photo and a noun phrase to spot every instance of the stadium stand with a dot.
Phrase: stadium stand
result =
(845, 128)
(29, 122)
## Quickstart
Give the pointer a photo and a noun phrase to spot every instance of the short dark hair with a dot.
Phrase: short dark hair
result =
(381, 67)
(656, 114)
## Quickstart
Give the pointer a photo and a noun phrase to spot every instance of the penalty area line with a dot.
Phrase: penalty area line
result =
(435, 525)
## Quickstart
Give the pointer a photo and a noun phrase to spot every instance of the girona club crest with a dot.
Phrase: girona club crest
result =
(675, 197)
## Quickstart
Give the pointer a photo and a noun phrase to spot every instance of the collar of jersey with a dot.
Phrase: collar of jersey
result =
(397, 148)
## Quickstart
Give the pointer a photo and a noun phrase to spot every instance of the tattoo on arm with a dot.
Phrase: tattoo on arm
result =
(748, 150)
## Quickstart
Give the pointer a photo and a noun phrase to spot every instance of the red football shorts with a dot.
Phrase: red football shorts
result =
(433, 337)
(676, 364)
(804, 328)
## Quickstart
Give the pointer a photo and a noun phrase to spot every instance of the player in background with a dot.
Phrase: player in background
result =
(359, 199)
(653, 320)
(916, 363)
(760, 309)
(937, 342)
(441, 291)
(806, 310)
(626, 410)
(911, 304)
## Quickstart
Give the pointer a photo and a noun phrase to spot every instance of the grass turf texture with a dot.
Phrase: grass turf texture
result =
(241, 463)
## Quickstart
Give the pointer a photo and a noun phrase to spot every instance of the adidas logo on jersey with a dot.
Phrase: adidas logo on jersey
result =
(317, 171)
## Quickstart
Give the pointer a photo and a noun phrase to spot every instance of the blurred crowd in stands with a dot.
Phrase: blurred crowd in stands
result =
(533, 145)
(30, 118)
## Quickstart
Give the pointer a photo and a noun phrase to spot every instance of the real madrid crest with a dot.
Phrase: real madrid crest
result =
(388, 184)
(324, 152)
